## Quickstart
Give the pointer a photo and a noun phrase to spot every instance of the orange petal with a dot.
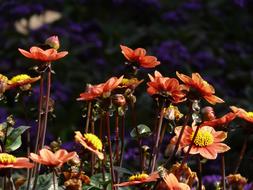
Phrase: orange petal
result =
(212, 99)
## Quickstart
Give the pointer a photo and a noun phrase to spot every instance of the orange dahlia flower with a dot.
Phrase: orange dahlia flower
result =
(173, 184)
(48, 158)
(10, 161)
(90, 142)
(167, 87)
(208, 142)
(103, 89)
(139, 55)
(243, 114)
(224, 120)
(139, 179)
(199, 88)
(39, 54)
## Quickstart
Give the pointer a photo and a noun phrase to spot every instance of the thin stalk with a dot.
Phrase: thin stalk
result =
(92, 154)
(54, 180)
(44, 126)
(162, 135)
(117, 142)
(137, 132)
(190, 146)
(12, 183)
(242, 153)
(40, 111)
(156, 150)
(88, 118)
(223, 172)
(179, 138)
(199, 173)
(110, 147)
(122, 140)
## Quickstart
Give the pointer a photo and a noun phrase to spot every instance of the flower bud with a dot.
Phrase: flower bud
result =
(208, 113)
(119, 100)
(53, 42)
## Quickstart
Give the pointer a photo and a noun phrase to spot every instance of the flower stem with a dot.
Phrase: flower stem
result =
(117, 142)
(223, 172)
(166, 165)
(199, 171)
(155, 150)
(122, 140)
(54, 180)
(92, 154)
(88, 117)
(110, 147)
(242, 152)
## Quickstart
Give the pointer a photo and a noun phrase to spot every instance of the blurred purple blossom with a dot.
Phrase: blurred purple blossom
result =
(192, 5)
(210, 181)
(240, 3)
(172, 52)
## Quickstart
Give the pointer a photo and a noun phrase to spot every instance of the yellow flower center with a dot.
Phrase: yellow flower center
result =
(93, 140)
(138, 177)
(7, 158)
(250, 114)
(203, 138)
(19, 78)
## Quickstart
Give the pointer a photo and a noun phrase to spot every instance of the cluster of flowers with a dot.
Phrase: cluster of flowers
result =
(203, 138)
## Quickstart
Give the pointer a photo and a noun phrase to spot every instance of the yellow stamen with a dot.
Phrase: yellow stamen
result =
(250, 114)
(93, 140)
(20, 78)
(203, 138)
(7, 158)
(138, 177)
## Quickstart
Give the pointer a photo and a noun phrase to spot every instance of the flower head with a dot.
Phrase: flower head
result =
(224, 120)
(90, 142)
(39, 54)
(100, 90)
(48, 158)
(199, 88)
(10, 161)
(236, 180)
(208, 142)
(166, 87)
(139, 55)
(243, 114)
(23, 80)
(173, 183)
(139, 179)
(53, 42)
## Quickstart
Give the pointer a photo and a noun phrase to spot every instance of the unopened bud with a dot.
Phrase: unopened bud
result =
(53, 42)
(208, 113)
(119, 100)
(10, 120)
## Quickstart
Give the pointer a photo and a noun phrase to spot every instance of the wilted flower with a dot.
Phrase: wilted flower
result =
(53, 42)
(90, 142)
(172, 113)
(139, 179)
(48, 158)
(207, 142)
(39, 54)
(73, 184)
(199, 88)
(10, 161)
(139, 55)
(166, 87)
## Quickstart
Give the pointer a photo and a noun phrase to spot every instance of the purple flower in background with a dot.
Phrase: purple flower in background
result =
(240, 3)
(210, 181)
(172, 52)
(192, 6)
(173, 17)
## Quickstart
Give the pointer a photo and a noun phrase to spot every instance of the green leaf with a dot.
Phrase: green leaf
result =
(122, 170)
(13, 141)
(144, 131)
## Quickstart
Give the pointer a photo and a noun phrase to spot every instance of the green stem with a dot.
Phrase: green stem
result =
(223, 172)
(88, 118)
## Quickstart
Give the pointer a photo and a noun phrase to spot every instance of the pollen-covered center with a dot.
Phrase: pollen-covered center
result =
(138, 177)
(93, 141)
(250, 114)
(7, 158)
(19, 78)
(203, 138)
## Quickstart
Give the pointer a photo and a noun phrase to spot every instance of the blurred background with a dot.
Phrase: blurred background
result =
(213, 38)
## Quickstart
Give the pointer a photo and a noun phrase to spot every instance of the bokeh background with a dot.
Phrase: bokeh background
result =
(212, 37)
